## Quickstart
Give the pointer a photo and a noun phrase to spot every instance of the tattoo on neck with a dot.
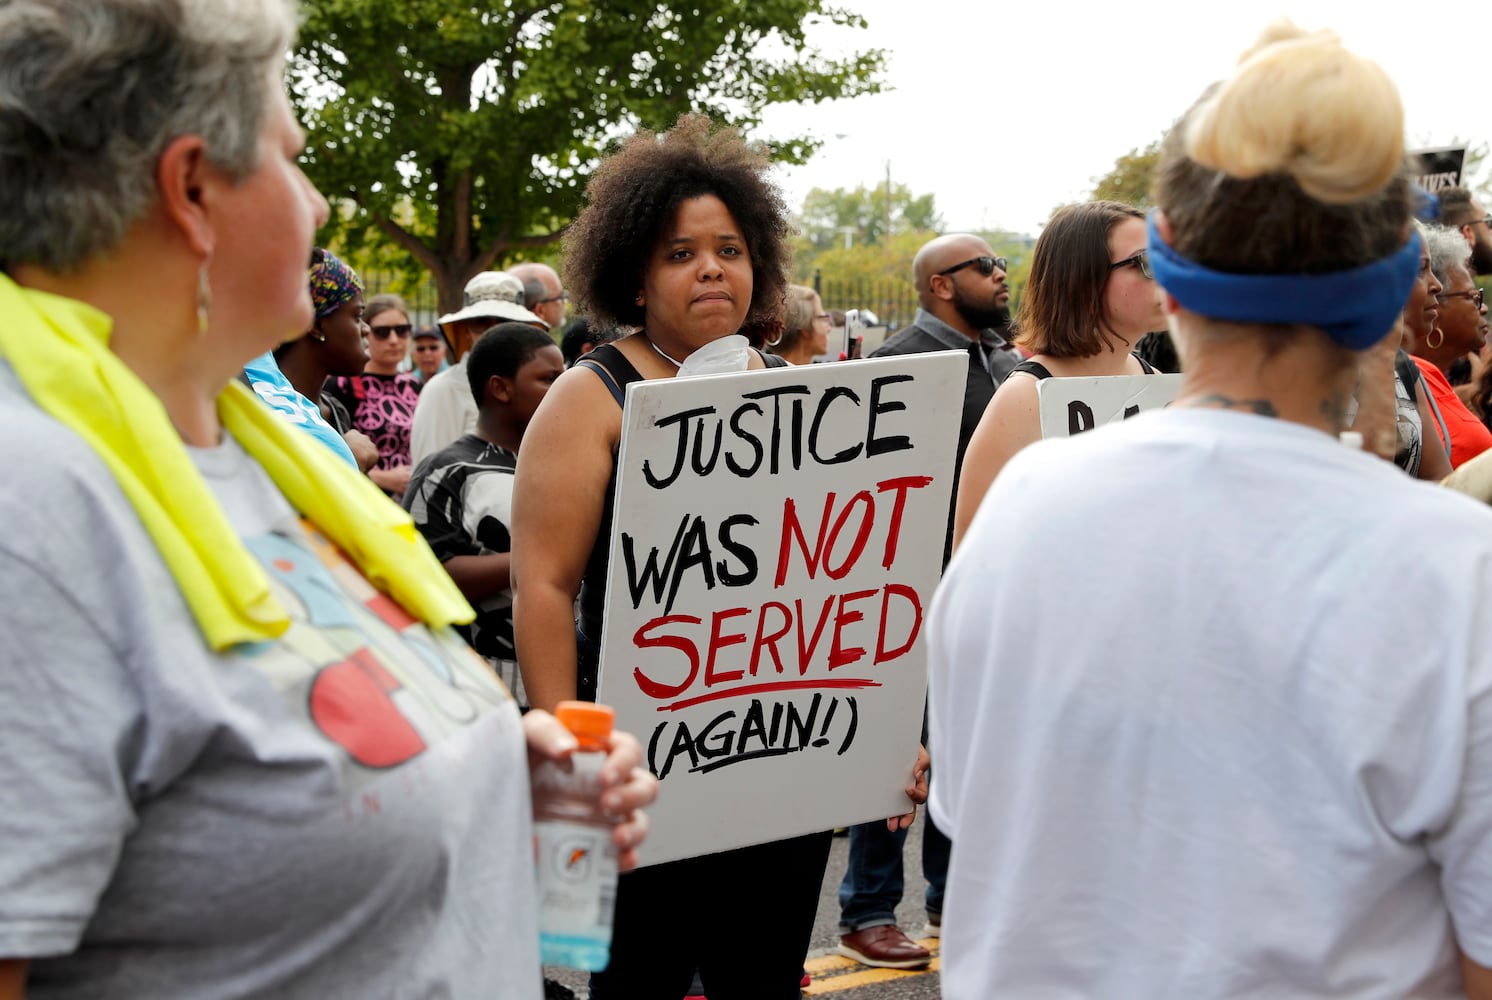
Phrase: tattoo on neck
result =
(1334, 410)
(1262, 407)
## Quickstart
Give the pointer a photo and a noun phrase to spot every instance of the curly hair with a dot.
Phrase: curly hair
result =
(637, 191)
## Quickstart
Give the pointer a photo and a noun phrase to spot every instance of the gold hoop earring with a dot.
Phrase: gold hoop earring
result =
(1436, 345)
(204, 296)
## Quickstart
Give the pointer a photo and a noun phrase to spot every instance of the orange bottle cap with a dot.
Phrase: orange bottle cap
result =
(591, 723)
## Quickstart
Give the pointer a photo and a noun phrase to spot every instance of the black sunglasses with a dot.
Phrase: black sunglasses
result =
(1475, 295)
(1140, 260)
(400, 330)
(986, 266)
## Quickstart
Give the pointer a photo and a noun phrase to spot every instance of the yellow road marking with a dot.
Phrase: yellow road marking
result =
(865, 977)
(825, 964)
(831, 972)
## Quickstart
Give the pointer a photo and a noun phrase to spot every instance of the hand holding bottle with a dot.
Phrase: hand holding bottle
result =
(625, 786)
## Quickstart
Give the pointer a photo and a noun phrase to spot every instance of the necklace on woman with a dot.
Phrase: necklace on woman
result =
(659, 351)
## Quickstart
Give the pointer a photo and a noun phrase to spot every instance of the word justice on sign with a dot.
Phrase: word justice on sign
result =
(776, 441)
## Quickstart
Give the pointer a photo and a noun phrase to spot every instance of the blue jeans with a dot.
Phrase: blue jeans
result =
(873, 881)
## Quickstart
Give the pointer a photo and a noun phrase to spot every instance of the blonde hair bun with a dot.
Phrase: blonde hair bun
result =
(1300, 103)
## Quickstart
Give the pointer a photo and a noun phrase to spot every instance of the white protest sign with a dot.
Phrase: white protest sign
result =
(778, 537)
(1072, 405)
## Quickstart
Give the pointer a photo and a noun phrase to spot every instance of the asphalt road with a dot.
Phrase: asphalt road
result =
(842, 978)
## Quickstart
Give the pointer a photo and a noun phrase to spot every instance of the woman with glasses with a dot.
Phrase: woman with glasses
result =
(1450, 329)
(1211, 692)
(1090, 297)
(805, 333)
(382, 399)
(1405, 416)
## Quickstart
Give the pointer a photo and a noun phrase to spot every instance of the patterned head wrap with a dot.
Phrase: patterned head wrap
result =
(333, 283)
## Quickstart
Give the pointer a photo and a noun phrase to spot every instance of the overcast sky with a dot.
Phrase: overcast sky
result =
(1004, 111)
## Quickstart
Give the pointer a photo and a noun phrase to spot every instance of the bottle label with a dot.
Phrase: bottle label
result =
(577, 893)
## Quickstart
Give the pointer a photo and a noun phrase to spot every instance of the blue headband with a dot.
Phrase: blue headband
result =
(1355, 308)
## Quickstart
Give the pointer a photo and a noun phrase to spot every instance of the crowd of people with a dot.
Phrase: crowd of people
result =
(291, 583)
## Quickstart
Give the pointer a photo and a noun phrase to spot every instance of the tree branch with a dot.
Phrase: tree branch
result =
(489, 256)
(409, 241)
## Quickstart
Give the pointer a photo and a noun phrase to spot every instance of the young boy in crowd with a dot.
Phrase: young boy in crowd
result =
(461, 497)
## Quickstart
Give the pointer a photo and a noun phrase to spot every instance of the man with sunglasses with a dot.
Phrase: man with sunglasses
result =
(1460, 210)
(962, 306)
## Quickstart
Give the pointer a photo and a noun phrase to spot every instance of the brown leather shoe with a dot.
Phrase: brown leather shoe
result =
(884, 947)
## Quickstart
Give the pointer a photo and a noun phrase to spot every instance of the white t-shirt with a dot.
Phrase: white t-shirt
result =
(340, 812)
(446, 411)
(1217, 721)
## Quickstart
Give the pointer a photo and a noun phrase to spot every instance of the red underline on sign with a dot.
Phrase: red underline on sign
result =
(736, 692)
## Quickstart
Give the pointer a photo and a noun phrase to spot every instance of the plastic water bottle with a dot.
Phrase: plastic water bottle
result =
(572, 839)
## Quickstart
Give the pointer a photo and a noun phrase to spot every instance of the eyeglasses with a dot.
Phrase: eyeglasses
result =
(424, 348)
(986, 266)
(400, 330)
(1475, 295)
(561, 297)
(1140, 260)
(1485, 221)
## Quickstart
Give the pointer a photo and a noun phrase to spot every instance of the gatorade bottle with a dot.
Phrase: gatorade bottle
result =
(572, 842)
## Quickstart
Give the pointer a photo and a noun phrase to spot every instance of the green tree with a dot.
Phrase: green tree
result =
(465, 133)
(1130, 179)
(858, 216)
(874, 277)
(856, 219)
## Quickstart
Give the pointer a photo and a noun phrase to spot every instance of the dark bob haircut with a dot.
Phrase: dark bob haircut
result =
(1062, 311)
(637, 191)
(502, 350)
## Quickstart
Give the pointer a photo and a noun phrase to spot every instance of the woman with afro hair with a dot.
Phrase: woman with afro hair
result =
(684, 240)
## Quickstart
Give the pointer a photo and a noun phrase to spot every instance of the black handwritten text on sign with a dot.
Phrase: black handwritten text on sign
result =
(778, 536)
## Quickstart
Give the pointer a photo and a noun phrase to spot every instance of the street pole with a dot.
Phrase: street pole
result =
(888, 208)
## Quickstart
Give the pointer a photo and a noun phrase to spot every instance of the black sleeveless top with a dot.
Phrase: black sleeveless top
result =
(611, 367)
(1041, 371)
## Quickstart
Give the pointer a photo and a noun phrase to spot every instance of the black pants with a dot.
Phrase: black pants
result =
(744, 918)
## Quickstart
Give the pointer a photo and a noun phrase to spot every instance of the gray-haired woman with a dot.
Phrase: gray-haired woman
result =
(234, 761)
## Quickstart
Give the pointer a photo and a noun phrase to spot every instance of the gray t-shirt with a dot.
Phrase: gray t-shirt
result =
(341, 812)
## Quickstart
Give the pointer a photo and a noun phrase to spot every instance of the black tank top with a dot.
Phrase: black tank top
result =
(1041, 371)
(613, 368)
